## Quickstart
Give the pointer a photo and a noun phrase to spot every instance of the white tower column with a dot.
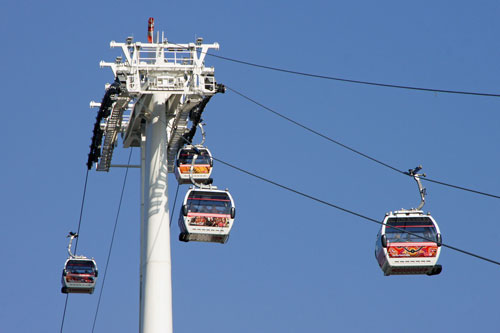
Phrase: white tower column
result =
(146, 77)
(156, 266)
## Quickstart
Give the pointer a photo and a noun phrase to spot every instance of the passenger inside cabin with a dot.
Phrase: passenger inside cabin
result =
(80, 268)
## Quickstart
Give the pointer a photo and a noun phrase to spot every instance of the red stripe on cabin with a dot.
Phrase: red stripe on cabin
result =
(208, 215)
(403, 244)
(208, 199)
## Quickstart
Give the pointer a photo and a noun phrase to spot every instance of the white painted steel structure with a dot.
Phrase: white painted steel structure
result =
(160, 83)
(156, 282)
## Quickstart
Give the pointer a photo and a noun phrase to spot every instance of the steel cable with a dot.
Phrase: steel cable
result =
(112, 241)
(354, 150)
(76, 243)
(350, 211)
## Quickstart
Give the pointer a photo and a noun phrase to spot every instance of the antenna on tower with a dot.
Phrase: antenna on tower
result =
(151, 29)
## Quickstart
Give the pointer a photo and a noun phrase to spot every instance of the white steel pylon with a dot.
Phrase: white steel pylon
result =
(156, 282)
(160, 83)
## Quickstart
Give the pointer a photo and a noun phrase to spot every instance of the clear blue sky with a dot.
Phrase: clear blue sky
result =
(291, 264)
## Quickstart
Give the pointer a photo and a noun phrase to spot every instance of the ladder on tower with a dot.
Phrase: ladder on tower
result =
(112, 128)
(176, 71)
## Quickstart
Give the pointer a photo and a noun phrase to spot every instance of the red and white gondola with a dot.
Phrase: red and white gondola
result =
(79, 275)
(207, 215)
(409, 242)
(199, 171)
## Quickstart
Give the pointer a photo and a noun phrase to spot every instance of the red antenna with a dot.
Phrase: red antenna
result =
(151, 29)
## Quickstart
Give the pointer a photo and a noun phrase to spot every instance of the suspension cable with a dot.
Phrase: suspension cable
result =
(286, 187)
(313, 131)
(461, 188)
(350, 211)
(386, 85)
(354, 150)
(338, 207)
(76, 243)
(332, 78)
(173, 207)
(345, 209)
(112, 240)
(81, 210)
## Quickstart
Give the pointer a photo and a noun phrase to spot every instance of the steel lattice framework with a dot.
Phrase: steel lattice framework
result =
(176, 71)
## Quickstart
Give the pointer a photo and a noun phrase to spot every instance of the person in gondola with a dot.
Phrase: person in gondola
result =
(427, 237)
(214, 210)
(397, 237)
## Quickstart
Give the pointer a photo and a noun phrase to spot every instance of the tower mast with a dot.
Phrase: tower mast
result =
(156, 86)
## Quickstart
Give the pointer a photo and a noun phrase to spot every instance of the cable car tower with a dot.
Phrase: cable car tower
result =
(158, 87)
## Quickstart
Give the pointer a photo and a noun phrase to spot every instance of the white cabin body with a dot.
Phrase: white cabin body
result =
(199, 171)
(415, 251)
(79, 275)
(207, 215)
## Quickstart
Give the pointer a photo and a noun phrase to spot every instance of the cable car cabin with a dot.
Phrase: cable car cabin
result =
(207, 215)
(79, 275)
(202, 167)
(400, 253)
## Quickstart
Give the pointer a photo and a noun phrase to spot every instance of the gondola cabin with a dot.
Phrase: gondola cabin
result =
(207, 215)
(79, 275)
(202, 167)
(416, 252)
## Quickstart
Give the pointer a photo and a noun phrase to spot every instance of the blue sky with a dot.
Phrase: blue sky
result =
(291, 264)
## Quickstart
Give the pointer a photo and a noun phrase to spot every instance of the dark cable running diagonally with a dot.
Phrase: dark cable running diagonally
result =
(354, 150)
(326, 77)
(343, 209)
(446, 91)
(348, 211)
(112, 241)
(76, 243)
